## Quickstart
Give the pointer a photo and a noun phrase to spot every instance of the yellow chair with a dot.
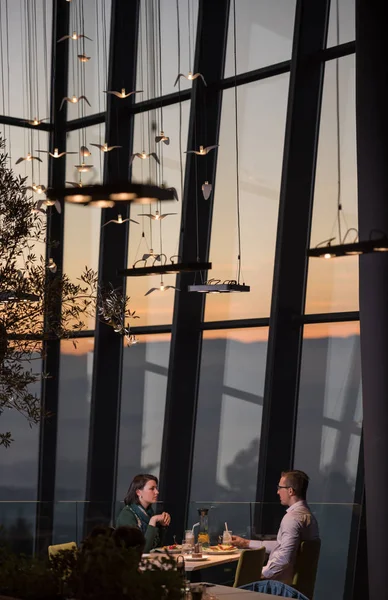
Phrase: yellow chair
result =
(52, 550)
(249, 566)
(306, 566)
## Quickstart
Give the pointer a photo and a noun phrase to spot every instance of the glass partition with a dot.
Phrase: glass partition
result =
(334, 521)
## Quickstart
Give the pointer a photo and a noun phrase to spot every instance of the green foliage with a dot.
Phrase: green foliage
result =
(98, 571)
(61, 306)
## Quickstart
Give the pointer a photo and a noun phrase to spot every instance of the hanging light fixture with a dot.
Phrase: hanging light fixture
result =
(111, 193)
(327, 249)
(216, 286)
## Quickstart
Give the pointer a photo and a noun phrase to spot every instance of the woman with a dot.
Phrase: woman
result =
(137, 512)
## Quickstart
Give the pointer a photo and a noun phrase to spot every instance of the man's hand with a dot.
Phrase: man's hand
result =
(240, 542)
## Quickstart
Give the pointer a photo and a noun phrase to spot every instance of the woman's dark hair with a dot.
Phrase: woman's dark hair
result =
(138, 483)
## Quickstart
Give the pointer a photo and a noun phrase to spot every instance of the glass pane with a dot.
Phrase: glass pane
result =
(25, 48)
(143, 398)
(333, 284)
(346, 21)
(262, 113)
(231, 391)
(89, 78)
(328, 436)
(178, 28)
(18, 142)
(19, 473)
(264, 31)
(162, 236)
(82, 224)
(75, 388)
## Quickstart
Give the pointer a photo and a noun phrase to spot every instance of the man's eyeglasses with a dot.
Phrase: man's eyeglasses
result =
(284, 487)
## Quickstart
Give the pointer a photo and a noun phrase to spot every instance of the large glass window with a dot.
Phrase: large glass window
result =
(82, 225)
(90, 78)
(175, 36)
(75, 388)
(261, 117)
(19, 474)
(25, 63)
(143, 399)
(228, 425)
(264, 31)
(333, 284)
(328, 439)
(162, 236)
(342, 29)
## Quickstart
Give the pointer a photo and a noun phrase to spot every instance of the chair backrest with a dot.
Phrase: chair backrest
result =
(58, 547)
(306, 566)
(249, 566)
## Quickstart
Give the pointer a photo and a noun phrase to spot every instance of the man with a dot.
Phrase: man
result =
(298, 525)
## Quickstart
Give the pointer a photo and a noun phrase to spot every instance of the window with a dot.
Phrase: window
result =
(262, 114)
(229, 414)
(333, 284)
(143, 399)
(75, 388)
(328, 439)
(161, 236)
(264, 34)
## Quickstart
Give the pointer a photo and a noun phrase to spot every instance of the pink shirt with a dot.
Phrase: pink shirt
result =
(297, 525)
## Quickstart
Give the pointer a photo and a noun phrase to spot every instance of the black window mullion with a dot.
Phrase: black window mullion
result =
(186, 341)
(108, 350)
(54, 249)
(293, 235)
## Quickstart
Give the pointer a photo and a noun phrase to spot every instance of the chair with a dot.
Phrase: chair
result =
(249, 566)
(52, 550)
(306, 566)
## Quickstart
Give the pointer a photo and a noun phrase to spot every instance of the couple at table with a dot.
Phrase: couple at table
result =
(297, 525)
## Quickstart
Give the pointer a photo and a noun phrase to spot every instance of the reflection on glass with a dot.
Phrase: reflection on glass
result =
(229, 413)
(143, 398)
(333, 283)
(346, 21)
(264, 32)
(19, 475)
(328, 437)
(159, 235)
(75, 388)
(262, 114)
(158, 58)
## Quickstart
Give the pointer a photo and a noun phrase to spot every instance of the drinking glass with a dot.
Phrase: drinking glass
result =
(227, 537)
(189, 537)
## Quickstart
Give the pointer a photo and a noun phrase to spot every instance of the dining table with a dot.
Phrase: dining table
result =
(195, 568)
(225, 592)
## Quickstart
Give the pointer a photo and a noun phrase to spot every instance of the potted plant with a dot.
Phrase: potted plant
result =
(100, 570)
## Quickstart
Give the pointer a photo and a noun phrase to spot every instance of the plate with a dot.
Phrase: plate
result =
(166, 550)
(189, 557)
(221, 552)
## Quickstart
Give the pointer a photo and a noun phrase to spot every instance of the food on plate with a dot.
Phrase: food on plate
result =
(197, 555)
(173, 547)
(222, 548)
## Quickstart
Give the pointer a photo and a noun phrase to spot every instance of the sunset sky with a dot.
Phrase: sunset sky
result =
(332, 285)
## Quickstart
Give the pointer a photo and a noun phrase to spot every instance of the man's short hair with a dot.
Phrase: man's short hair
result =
(299, 482)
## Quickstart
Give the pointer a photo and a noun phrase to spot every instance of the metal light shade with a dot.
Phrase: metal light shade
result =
(353, 249)
(219, 288)
(106, 196)
(165, 269)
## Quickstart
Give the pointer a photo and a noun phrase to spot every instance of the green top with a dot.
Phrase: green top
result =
(153, 535)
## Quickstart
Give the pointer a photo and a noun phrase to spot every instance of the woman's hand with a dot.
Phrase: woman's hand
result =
(163, 519)
(240, 542)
